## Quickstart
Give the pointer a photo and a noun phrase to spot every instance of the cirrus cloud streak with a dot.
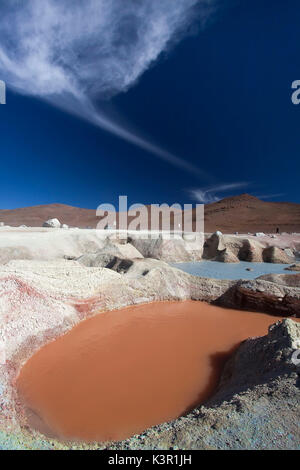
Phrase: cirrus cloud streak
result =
(74, 53)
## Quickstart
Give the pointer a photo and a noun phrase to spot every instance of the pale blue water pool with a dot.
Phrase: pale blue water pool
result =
(217, 270)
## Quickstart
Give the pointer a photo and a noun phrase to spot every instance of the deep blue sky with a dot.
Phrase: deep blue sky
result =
(221, 100)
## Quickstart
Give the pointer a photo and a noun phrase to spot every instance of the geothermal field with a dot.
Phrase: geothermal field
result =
(149, 228)
(111, 342)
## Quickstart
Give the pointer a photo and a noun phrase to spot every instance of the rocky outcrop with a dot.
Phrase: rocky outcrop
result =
(108, 255)
(274, 294)
(96, 260)
(221, 247)
(52, 244)
(255, 407)
(133, 268)
(260, 295)
(289, 253)
(45, 243)
(260, 360)
(171, 250)
(273, 254)
(136, 268)
(226, 256)
(213, 245)
(293, 267)
(52, 223)
(289, 280)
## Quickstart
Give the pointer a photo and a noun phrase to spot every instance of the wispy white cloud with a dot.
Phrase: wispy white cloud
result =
(74, 52)
(270, 196)
(202, 196)
(212, 194)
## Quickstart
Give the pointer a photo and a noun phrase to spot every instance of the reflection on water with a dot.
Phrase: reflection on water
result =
(217, 270)
(120, 372)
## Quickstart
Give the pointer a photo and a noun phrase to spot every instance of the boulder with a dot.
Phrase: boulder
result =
(289, 252)
(273, 254)
(213, 245)
(243, 249)
(293, 267)
(251, 250)
(260, 234)
(226, 256)
(52, 223)
(267, 296)
(97, 260)
(175, 249)
(2, 224)
(120, 265)
(65, 226)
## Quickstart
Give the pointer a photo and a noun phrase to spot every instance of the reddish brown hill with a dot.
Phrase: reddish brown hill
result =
(241, 214)
(246, 213)
(35, 216)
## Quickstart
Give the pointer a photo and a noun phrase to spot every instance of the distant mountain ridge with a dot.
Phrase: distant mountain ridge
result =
(246, 213)
(243, 213)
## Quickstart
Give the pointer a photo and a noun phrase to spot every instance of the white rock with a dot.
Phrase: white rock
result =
(260, 234)
(187, 236)
(65, 226)
(2, 224)
(52, 223)
(289, 252)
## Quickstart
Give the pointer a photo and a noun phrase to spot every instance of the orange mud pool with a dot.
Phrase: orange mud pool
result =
(120, 372)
